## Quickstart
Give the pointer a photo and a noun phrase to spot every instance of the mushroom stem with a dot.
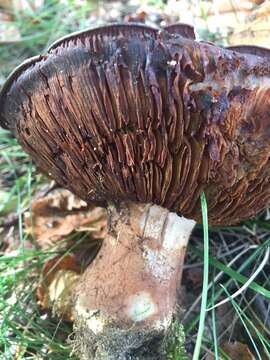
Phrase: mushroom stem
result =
(127, 296)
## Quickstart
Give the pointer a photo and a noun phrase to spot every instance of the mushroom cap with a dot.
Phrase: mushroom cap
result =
(131, 113)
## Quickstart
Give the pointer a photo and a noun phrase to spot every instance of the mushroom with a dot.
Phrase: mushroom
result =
(143, 121)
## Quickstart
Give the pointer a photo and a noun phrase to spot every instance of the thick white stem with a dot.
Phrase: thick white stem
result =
(132, 283)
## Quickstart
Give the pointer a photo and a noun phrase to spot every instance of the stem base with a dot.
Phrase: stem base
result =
(127, 297)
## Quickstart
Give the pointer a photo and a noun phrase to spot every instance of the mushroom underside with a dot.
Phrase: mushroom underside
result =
(126, 299)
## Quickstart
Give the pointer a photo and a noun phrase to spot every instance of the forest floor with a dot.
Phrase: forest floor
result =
(42, 224)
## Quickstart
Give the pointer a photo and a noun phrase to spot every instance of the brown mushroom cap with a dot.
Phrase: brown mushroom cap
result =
(129, 113)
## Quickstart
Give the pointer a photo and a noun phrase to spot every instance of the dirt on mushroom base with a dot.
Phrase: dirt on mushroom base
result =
(115, 340)
(155, 346)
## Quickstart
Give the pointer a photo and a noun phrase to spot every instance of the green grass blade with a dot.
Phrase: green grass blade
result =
(198, 344)
(232, 273)
(239, 313)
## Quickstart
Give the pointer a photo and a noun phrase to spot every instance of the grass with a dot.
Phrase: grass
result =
(231, 279)
(40, 27)
(26, 331)
(238, 311)
(198, 344)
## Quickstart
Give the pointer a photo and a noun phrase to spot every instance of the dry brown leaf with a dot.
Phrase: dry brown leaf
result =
(28, 5)
(59, 277)
(221, 16)
(10, 238)
(255, 30)
(238, 351)
(6, 4)
(8, 30)
(54, 217)
(16, 5)
(60, 293)
(225, 6)
(58, 214)
(258, 2)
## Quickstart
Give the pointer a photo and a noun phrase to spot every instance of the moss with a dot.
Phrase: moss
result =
(174, 342)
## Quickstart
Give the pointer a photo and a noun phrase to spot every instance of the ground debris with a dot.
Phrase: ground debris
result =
(254, 30)
(51, 221)
(59, 277)
(236, 351)
(58, 214)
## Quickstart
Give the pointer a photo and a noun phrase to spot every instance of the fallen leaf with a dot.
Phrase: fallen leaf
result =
(212, 8)
(59, 277)
(220, 17)
(60, 293)
(235, 351)
(26, 5)
(6, 4)
(55, 216)
(238, 351)
(255, 29)
(52, 218)
(9, 32)
(9, 240)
